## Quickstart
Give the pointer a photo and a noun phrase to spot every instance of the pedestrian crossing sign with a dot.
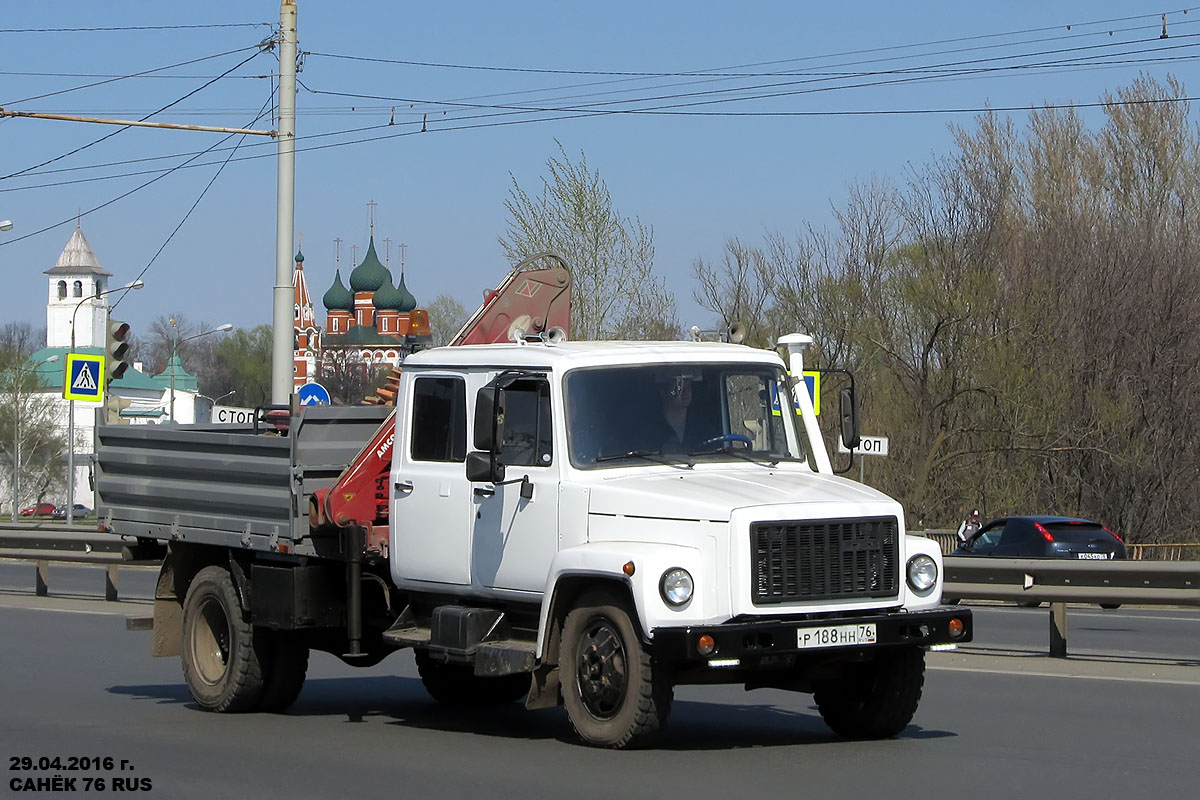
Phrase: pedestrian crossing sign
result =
(84, 378)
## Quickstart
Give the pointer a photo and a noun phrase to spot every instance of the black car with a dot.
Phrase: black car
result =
(1044, 537)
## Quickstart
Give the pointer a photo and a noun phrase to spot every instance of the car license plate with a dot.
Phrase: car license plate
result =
(836, 636)
(1095, 556)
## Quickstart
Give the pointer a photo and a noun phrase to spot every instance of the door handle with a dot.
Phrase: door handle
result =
(403, 486)
(484, 491)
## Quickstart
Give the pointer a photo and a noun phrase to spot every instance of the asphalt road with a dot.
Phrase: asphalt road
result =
(998, 719)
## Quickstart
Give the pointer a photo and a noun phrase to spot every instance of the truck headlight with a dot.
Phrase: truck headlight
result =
(676, 586)
(922, 573)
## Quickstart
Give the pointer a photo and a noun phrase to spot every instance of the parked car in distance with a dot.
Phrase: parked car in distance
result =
(78, 512)
(40, 510)
(1044, 537)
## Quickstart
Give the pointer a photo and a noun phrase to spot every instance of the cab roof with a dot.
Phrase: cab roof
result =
(568, 355)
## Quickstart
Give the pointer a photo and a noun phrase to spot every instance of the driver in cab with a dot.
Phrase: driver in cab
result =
(675, 396)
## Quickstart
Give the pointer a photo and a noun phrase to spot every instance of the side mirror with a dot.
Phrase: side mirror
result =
(848, 412)
(489, 418)
(484, 467)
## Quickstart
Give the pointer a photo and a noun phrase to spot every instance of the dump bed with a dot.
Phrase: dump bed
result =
(243, 487)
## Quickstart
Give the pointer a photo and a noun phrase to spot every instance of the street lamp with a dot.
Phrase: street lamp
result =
(16, 453)
(214, 400)
(138, 284)
(5, 224)
(175, 342)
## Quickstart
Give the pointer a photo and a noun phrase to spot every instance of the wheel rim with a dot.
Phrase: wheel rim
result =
(210, 641)
(601, 669)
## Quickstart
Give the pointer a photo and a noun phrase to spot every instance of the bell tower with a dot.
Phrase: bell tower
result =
(77, 279)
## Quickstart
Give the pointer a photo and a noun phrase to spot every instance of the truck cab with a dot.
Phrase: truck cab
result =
(553, 510)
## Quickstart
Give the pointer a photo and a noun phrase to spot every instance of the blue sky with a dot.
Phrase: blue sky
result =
(697, 179)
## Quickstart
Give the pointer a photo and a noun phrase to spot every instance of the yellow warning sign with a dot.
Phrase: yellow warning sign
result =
(83, 378)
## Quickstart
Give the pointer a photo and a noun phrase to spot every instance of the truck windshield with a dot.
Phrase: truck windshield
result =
(680, 413)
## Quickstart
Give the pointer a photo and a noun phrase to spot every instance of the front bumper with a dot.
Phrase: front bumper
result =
(752, 642)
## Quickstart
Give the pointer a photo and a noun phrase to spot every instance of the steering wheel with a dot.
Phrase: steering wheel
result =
(728, 439)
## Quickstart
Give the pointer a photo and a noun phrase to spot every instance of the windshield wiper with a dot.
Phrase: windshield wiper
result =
(745, 456)
(650, 455)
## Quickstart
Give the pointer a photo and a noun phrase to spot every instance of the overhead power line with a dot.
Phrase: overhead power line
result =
(713, 73)
(163, 173)
(131, 75)
(136, 28)
(143, 119)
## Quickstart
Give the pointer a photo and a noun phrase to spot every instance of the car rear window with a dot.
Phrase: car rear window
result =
(1076, 533)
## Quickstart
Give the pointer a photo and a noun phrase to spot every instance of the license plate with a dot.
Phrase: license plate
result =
(836, 636)
(1095, 556)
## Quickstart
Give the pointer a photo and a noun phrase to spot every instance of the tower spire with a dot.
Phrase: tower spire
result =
(371, 206)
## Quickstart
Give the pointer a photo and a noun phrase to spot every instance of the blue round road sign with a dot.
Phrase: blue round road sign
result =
(313, 394)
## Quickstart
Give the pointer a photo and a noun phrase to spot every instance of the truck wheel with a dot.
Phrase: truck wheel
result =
(221, 649)
(458, 685)
(875, 700)
(285, 669)
(614, 695)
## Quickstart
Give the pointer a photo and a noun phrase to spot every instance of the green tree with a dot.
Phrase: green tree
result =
(446, 318)
(31, 442)
(243, 363)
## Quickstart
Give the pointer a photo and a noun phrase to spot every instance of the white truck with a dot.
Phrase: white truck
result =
(532, 536)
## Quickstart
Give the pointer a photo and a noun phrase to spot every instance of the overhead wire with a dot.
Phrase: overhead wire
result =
(132, 75)
(743, 89)
(774, 85)
(127, 127)
(242, 138)
(853, 52)
(590, 109)
(111, 28)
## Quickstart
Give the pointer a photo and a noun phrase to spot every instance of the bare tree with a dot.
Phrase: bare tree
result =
(612, 257)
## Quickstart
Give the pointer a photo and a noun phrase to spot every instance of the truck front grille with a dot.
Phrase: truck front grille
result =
(823, 560)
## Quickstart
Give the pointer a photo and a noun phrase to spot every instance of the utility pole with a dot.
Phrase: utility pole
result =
(281, 340)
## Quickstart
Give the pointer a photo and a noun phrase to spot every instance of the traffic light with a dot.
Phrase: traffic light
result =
(116, 350)
(113, 406)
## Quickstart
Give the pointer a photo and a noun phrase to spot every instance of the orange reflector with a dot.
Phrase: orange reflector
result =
(629, 568)
(705, 645)
(957, 629)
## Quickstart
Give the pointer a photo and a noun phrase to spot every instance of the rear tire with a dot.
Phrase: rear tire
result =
(1110, 606)
(221, 649)
(876, 699)
(458, 685)
(614, 694)
(285, 670)
(1029, 603)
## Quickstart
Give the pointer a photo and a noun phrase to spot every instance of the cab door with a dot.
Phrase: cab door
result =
(431, 512)
(516, 522)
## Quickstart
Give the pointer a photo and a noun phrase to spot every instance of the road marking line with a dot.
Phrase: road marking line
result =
(1072, 676)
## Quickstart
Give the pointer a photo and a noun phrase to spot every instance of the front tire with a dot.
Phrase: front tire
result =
(614, 694)
(221, 649)
(876, 699)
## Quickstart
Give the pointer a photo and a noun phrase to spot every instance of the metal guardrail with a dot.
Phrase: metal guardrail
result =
(1062, 581)
(1174, 551)
(73, 544)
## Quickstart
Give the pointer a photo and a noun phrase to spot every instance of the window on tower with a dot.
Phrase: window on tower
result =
(62, 289)
(79, 288)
